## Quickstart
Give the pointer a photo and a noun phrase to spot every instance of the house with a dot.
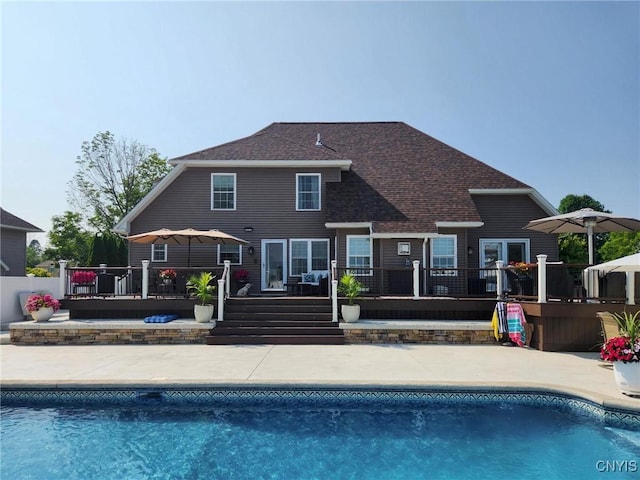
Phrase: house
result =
(369, 195)
(13, 244)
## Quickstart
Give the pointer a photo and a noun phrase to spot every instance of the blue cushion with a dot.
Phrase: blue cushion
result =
(160, 318)
(308, 277)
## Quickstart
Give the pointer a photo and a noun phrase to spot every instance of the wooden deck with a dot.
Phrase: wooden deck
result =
(558, 326)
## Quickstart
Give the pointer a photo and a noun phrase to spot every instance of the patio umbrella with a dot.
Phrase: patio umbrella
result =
(187, 236)
(585, 220)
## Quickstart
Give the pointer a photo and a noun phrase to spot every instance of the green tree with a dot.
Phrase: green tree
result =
(112, 177)
(34, 253)
(573, 202)
(573, 246)
(68, 239)
(620, 244)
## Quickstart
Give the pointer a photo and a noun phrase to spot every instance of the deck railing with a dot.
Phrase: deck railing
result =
(560, 282)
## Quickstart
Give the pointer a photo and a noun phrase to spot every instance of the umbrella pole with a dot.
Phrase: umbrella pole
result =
(590, 235)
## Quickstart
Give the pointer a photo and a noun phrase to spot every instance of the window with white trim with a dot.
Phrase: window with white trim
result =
(444, 259)
(359, 254)
(158, 252)
(308, 255)
(223, 191)
(308, 191)
(233, 253)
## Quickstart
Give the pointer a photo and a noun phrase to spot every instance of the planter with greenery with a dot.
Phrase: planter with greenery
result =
(350, 288)
(200, 286)
(624, 352)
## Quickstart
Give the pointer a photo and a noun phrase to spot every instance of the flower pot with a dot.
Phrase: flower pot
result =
(627, 376)
(350, 313)
(203, 313)
(43, 314)
(167, 281)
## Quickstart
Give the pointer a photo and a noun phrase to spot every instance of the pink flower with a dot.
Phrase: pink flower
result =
(37, 301)
(83, 276)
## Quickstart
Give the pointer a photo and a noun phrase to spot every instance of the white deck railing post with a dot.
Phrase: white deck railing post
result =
(542, 278)
(145, 279)
(416, 279)
(63, 277)
(499, 279)
(631, 288)
(227, 278)
(334, 291)
(221, 294)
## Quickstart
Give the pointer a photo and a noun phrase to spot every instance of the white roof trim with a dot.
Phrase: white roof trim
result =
(532, 192)
(342, 164)
(124, 225)
(348, 225)
(422, 235)
(459, 224)
(4, 266)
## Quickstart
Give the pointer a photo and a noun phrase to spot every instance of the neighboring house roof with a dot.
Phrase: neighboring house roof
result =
(396, 178)
(10, 221)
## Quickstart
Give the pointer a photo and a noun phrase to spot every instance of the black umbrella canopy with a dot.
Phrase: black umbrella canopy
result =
(186, 236)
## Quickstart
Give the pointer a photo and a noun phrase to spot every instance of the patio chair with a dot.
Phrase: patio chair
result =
(610, 329)
(610, 326)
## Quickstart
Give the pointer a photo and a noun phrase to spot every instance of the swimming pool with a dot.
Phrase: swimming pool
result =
(312, 433)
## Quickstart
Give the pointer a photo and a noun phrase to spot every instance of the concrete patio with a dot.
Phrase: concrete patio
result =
(443, 365)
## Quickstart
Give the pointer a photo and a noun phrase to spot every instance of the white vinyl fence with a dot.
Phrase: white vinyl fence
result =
(12, 287)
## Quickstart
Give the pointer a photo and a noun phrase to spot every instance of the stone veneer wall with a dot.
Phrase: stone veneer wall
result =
(470, 337)
(146, 334)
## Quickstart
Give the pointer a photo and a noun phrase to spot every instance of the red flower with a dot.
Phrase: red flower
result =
(621, 349)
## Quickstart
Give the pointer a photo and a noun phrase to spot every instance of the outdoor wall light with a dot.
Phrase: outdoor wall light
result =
(248, 229)
(250, 250)
(470, 250)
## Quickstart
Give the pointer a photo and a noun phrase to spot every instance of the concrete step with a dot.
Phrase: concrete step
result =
(275, 340)
(292, 331)
(284, 316)
(297, 322)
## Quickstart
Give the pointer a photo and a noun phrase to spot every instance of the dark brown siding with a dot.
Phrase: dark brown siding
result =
(504, 216)
(266, 201)
(13, 251)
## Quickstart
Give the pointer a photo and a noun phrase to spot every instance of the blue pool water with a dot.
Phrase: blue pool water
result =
(153, 440)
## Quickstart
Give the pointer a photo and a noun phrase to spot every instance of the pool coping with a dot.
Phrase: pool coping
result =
(611, 412)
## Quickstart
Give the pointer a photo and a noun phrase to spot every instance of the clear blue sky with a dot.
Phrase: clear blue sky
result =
(547, 92)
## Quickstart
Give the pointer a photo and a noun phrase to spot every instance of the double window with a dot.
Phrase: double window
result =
(359, 254)
(309, 255)
(444, 260)
(223, 191)
(308, 191)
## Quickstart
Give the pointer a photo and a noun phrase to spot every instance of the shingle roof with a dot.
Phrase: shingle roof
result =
(8, 220)
(401, 179)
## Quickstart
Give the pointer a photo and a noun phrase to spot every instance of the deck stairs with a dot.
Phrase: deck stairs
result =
(276, 320)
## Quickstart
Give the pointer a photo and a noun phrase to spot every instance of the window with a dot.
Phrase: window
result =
(223, 191)
(158, 253)
(443, 256)
(359, 254)
(308, 191)
(506, 249)
(233, 253)
(308, 255)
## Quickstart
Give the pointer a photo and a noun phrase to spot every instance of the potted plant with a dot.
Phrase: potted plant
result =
(84, 282)
(240, 277)
(168, 276)
(350, 287)
(41, 306)
(624, 352)
(199, 286)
